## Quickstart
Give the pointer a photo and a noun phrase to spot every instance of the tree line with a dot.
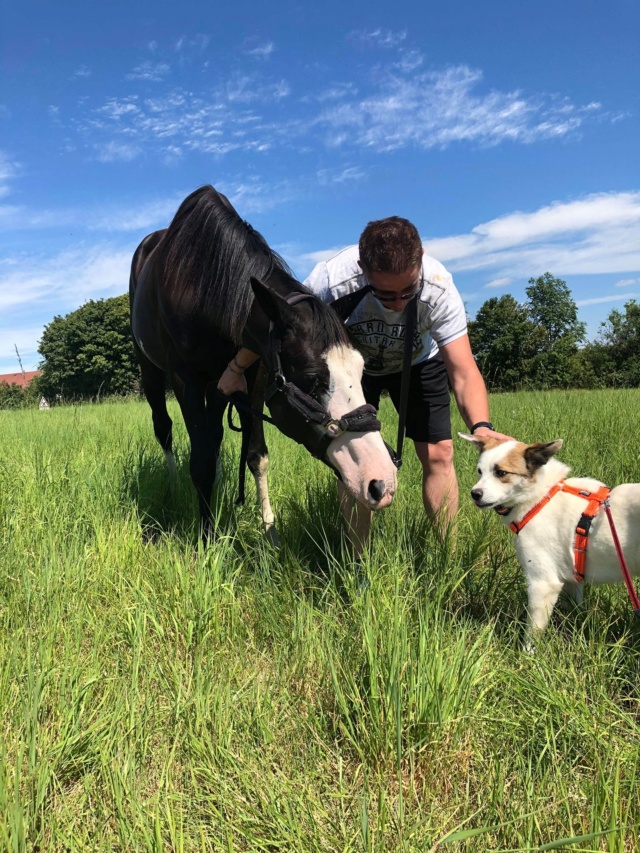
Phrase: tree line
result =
(541, 344)
(537, 344)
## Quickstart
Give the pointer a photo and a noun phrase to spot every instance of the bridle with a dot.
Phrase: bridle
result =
(324, 427)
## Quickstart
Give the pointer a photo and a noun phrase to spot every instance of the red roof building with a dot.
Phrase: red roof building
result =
(21, 379)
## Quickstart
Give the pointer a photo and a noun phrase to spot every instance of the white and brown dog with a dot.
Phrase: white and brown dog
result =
(554, 519)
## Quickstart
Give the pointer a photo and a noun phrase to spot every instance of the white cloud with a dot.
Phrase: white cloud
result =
(499, 282)
(602, 300)
(438, 108)
(117, 152)
(391, 106)
(9, 169)
(198, 43)
(379, 37)
(260, 51)
(596, 234)
(589, 236)
(328, 177)
(247, 89)
(81, 72)
(153, 72)
(627, 282)
(140, 217)
(33, 290)
(66, 280)
(25, 338)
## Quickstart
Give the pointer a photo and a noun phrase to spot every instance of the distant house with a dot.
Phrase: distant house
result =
(21, 379)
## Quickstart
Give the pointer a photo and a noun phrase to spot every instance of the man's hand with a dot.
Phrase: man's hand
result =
(485, 432)
(232, 381)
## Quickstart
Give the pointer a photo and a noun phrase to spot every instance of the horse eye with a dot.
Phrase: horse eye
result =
(309, 384)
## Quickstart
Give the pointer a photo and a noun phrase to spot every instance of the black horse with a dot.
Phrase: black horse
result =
(209, 284)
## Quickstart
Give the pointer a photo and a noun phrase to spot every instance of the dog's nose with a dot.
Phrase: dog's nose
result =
(476, 494)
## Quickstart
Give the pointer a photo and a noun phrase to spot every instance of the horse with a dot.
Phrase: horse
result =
(209, 284)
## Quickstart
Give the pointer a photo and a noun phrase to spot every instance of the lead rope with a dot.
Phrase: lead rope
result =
(633, 595)
(409, 330)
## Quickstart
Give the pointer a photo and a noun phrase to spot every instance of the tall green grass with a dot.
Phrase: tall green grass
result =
(158, 695)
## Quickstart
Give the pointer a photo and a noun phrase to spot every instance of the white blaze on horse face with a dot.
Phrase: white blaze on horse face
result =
(360, 457)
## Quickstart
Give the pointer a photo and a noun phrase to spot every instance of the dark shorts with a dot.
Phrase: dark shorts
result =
(428, 407)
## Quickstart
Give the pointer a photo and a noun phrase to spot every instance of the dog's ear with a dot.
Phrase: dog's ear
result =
(537, 455)
(478, 440)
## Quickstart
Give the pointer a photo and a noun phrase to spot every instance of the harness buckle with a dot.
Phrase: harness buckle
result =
(334, 429)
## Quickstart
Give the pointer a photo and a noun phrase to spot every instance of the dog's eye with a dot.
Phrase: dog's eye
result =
(500, 474)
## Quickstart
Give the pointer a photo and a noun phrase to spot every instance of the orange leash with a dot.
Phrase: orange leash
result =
(633, 595)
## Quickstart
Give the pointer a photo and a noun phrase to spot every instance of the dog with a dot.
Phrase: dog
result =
(527, 486)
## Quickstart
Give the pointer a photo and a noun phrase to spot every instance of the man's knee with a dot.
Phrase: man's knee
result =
(436, 454)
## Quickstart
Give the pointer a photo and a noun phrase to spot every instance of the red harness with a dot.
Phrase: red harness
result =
(595, 501)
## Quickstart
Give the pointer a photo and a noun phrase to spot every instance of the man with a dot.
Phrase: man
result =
(390, 268)
(390, 265)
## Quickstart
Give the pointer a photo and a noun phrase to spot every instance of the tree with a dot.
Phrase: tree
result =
(89, 352)
(552, 308)
(505, 341)
(12, 396)
(620, 335)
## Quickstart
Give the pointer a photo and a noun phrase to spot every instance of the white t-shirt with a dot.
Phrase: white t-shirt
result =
(378, 332)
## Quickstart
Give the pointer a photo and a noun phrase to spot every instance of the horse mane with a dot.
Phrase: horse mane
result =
(326, 328)
(210, 254)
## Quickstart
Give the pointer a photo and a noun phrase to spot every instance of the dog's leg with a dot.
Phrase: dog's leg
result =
(543, 595)
(573, 593)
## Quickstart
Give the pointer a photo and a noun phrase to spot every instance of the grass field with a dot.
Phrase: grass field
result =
(155, 695)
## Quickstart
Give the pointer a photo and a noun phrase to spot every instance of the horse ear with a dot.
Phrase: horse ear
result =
(344, 306)
(274, 306)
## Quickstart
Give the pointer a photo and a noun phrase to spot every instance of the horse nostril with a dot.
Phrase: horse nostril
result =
(476, 494)
(377, 490)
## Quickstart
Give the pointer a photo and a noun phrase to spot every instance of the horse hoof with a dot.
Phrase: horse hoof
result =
(272, 536)
(360, 578)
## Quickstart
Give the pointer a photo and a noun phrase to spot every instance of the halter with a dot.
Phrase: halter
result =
(325, 427)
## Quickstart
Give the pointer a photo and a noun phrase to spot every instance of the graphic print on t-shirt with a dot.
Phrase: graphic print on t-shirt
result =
(382, 344)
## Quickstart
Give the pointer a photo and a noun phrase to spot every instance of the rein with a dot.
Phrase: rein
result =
(409, 330)
(596, 500)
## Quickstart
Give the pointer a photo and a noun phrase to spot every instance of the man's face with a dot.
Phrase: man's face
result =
(395, 289)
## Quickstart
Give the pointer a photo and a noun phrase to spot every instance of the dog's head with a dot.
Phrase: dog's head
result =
(508, 469)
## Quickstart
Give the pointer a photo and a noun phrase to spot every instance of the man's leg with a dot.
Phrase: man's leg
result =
(439, 483)
(357, 519)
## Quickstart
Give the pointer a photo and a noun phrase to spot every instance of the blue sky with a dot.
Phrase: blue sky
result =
(507, 132)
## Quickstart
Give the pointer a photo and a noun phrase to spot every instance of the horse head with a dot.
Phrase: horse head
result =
(315, 394)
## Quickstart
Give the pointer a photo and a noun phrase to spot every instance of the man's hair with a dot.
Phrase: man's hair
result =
(390, 245)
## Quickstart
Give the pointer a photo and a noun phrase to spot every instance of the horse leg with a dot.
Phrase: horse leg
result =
(204, 425)
(153, 385)
(258, 460)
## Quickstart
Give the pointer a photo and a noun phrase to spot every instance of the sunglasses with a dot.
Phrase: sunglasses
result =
(402, 297)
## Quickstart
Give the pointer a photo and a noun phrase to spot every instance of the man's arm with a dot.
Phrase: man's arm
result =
(232, 379)
(468, 385)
